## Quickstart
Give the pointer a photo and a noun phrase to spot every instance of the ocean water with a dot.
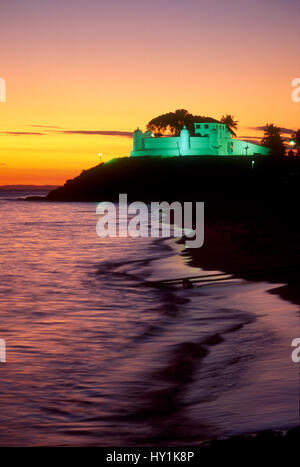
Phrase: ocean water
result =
(96, 357)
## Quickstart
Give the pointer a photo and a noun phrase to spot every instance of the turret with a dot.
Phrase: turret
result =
(137, 140)
(184, 141)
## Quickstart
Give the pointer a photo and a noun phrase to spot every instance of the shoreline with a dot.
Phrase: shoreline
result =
(235, 242)
(284, 436)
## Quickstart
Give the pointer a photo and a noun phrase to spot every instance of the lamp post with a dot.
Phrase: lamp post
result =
(292, 145)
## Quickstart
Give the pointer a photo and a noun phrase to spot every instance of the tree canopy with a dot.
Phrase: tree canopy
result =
(173, 122)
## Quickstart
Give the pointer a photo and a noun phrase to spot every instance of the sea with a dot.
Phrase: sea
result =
(98, 356)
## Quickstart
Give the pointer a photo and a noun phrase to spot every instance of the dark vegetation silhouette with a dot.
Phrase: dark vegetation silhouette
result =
(272, 139)
(297, 138)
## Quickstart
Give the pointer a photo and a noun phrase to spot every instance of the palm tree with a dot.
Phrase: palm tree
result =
(272, 139)
(230, 123)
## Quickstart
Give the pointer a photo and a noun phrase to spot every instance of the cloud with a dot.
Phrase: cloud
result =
(126, 134)
(288, 131)
(53, 129)
(46, 126)
(21, 133)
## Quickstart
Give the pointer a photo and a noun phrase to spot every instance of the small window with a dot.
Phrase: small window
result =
(206, 126)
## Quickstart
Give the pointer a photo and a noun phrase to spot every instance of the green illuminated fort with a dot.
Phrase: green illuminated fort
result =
(211, 139)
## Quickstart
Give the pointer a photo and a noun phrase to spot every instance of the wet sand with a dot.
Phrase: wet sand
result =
(253, 237)
(264, 239)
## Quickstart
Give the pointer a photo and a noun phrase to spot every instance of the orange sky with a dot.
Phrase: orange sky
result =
(74, 65)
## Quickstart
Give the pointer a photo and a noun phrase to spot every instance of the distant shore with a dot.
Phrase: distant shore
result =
(28, 187)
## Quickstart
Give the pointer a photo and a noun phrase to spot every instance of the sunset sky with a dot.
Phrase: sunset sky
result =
(77, 68)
